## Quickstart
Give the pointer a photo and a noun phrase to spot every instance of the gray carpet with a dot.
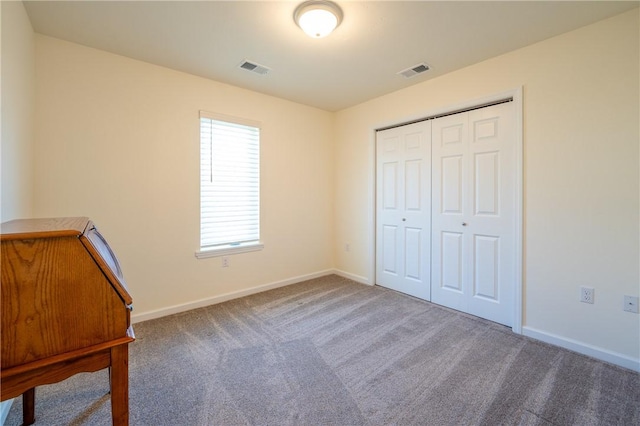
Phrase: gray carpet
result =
(333, 352)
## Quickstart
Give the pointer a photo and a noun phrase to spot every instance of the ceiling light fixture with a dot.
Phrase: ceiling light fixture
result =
(318, 18)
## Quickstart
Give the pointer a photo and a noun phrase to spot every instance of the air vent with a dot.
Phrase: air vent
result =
(253, 67)
(414, 70)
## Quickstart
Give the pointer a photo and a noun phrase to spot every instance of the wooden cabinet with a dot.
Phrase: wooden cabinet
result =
(65, 309)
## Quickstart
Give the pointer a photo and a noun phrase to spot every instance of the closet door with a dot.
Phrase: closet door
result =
(473, 212)
(403, 209)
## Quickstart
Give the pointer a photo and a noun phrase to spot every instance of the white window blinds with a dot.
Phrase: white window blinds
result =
(229, 182)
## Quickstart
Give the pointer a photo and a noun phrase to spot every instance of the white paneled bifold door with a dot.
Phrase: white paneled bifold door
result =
(473, 216)
(403, 206)
(446, 211)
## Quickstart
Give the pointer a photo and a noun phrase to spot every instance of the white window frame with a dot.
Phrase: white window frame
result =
(230, 247)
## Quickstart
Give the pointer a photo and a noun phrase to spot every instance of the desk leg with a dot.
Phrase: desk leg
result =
(120, 385)
(29, 407)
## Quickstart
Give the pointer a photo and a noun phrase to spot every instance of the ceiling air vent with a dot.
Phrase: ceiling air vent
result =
(253, 67)
(414, 70)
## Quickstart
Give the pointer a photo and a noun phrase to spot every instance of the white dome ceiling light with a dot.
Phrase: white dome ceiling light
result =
(318, 18)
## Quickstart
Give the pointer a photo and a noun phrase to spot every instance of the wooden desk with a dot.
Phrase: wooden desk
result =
(65, 310)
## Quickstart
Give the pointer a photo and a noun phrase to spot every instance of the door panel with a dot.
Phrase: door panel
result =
(413, 257)
(474, 212)
(449, 281)
(389, 249)
(389, 185)
(485, 267)
(403, 209)
(451, 261)
(486, 182)
(452, 134)
(451, 188)
(412, 180)
(485, 129)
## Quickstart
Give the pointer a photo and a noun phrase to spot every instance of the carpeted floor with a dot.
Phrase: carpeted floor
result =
(333, 352)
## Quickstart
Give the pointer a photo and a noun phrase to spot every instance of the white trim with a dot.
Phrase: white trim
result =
(371, 214)
(228, 249)
(516, 95)
(518, 106)
(5, 406)
(352, 277)
(230, 119)
(183, 307)
(583, 348)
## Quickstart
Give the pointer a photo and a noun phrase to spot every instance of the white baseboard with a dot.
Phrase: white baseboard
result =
(356, 278)
(583, 348)
(5, 406)
(170, 310)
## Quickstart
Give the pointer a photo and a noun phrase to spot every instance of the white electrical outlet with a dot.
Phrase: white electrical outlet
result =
(631, 304)
(587, 294)
(225, 262)
(347, 247)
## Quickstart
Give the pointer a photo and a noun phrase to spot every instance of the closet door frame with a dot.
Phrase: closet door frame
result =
(516, 97)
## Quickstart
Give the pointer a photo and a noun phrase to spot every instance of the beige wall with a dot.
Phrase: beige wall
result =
(581, 181)
(17, 103)
(118, 141)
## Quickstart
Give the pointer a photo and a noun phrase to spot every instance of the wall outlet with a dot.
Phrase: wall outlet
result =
(225, 262)
(587, 294)
(631, 304)
(347, 247)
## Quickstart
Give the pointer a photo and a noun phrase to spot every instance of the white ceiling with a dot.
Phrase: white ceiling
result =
(358, 62)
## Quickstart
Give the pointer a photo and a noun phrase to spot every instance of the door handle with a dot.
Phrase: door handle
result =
(464, 223)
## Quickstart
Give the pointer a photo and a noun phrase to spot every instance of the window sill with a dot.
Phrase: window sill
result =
(226, 250)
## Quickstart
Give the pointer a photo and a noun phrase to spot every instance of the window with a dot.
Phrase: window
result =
(229, 185)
